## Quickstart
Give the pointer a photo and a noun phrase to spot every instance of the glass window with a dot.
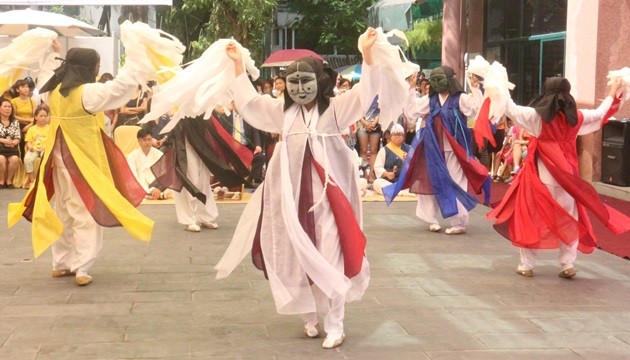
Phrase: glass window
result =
(544, 16)
(552, 58)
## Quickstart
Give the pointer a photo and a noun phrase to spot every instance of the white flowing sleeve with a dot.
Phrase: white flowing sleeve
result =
(593, 118)
(416, 107)
(379, 163)
(261, 111)
(526, 117)
(469, 103)
(354, 103)
(110, 95)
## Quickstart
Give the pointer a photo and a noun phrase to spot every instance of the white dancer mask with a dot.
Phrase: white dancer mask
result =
(302, 85)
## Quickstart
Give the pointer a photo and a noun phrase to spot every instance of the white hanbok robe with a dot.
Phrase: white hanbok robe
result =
(290, 257)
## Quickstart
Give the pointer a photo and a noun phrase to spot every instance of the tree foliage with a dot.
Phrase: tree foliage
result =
(198, 23)
(426, 35)
(329, 24)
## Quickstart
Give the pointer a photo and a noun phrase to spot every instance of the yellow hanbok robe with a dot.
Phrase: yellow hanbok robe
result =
(99, 171)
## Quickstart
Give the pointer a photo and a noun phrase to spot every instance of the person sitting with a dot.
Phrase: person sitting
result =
(36, 142)
(140, 161)
(505, 155)
(390, 159)
(9, 144)
(519, 150)
(155, 128)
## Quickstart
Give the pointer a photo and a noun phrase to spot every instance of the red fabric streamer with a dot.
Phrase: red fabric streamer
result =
(482, 126)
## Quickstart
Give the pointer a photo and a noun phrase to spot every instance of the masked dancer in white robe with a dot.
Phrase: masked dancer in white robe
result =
(305, 221)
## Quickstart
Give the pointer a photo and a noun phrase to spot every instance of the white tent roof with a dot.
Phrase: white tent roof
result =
(83, 2)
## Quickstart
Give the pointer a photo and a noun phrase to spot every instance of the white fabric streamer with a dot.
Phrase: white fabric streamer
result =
(24, 50)
(495, 83)
(201, 86)
(148, 48)
(388, 58)
(624, 75)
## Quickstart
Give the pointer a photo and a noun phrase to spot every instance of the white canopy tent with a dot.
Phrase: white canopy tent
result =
(83, 2)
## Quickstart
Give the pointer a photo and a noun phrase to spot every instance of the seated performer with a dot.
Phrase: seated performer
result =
(140, 161)
(546, 206)
(390, 159)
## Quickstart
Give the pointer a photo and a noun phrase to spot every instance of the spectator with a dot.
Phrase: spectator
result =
(111, 116)
(133, 111)
(349, 134)
(423, 87)
(24, 109)
(369, 135)
(494, 151)
(36, 137)
(279, 85)
(267, 86)
(10, 136)
(140, 161)
(390, 159)
(155, 127)
(519, 149)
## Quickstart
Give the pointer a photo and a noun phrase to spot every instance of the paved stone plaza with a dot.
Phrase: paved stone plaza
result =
(432, 296)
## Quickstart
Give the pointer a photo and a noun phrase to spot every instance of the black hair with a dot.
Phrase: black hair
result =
(143, 132)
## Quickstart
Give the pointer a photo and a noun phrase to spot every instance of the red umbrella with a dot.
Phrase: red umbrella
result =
(287, 56)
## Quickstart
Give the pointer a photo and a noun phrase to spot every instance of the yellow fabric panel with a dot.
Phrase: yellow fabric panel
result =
(82, 132)
(125, 137)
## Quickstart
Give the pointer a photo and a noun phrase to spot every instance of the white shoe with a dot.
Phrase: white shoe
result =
(311, 331)
(192, 228)
(209, 225)
(333, 342)
(515, 170)
(434, 227)
(455, 230)
(83, 280)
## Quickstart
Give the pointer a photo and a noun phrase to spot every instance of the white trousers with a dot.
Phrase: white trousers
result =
(428, 208)
(332, 312)
(82, 238)
(568, 253)
(189, 210)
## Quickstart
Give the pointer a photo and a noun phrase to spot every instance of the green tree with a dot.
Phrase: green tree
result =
(198, 23)
(426, 35)
(329, 24)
